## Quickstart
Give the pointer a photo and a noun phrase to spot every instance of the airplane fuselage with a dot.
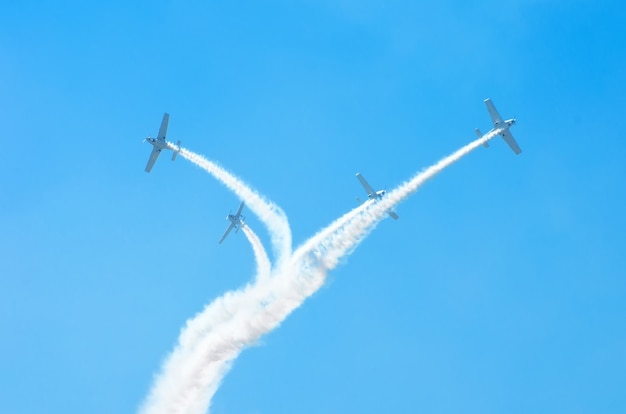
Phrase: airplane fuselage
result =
(160, 144)
(501, 127)
(235, 220)
(377, 195)
(374, 195)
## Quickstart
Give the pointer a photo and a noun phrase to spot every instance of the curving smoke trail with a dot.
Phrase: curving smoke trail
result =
(175, 386)
(272, 215)
(263, 264)
(260, 307)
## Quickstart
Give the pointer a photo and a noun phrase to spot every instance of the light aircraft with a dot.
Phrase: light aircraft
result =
(374, 195)
(236, 221)
(501, 126)
(159, 143)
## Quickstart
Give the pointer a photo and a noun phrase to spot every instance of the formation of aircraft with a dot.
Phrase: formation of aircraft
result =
(374, 195)
(159, 144)
(236, 221)
(500, 126)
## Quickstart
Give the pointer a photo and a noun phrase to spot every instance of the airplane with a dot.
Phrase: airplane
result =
(374, 195)
(236, 221)
(502, 126)
(159, 143)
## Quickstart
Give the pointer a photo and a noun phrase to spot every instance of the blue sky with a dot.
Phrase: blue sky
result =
(500, 289)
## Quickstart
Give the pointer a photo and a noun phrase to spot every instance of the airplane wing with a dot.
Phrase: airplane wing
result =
(227, 231)
(493, 113)
(238, 213)
(508, 138)
(365, 184)
(163, 129)
(393, 215)
(153, 157)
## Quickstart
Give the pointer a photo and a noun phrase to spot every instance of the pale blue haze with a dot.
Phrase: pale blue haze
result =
(501, 289)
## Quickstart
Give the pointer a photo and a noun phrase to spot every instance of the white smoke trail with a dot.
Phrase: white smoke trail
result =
(272, 215)
(263, 306)
(170, 392)
(264, 266)
(330, 249)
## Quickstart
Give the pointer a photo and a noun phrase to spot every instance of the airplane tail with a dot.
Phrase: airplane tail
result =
(176, 151)
(480, 135)
(241, 222)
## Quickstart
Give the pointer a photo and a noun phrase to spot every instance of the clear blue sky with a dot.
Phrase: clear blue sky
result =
(500, 289)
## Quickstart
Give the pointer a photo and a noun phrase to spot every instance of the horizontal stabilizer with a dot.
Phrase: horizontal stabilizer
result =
(176, 151)
(480, 135)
